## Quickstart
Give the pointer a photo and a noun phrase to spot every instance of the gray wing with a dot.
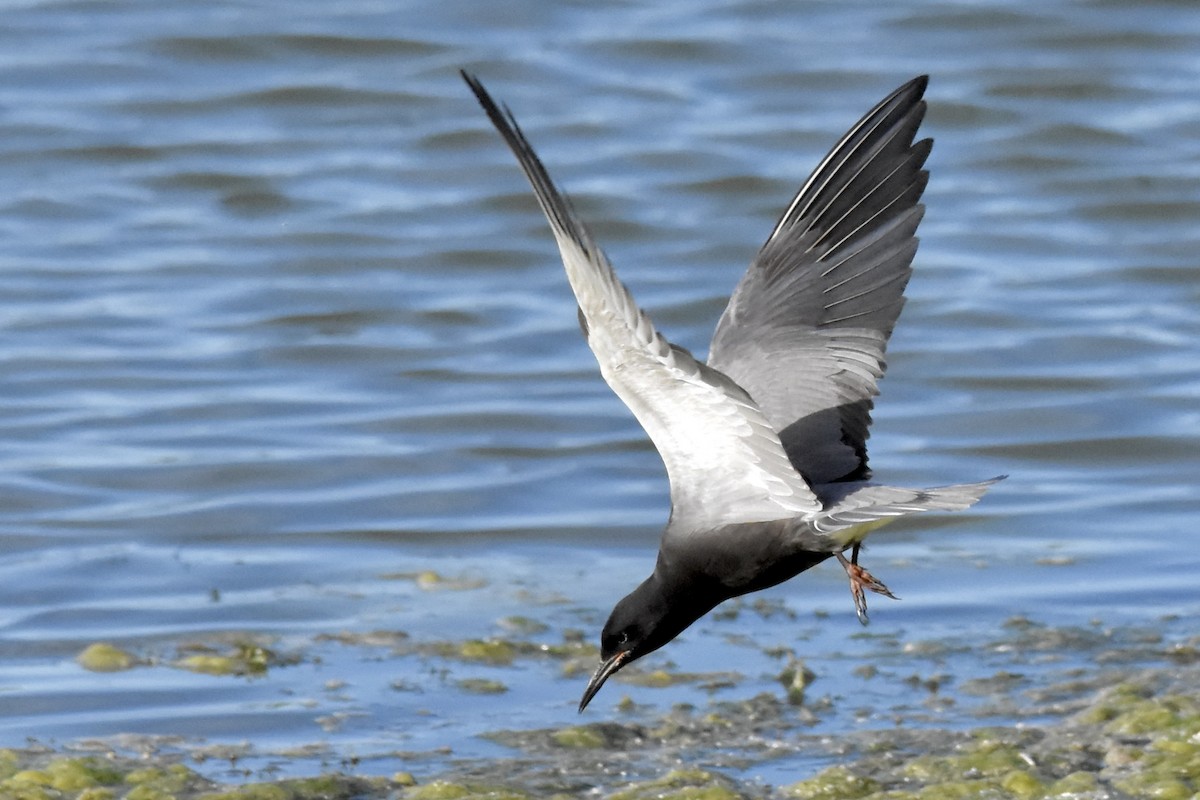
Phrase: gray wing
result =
(805, 331)
(724, 460)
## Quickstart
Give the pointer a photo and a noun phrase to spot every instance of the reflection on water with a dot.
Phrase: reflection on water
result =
(280, 320)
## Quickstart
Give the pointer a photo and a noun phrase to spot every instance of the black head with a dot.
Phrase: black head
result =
(621, 642)
(643, 621)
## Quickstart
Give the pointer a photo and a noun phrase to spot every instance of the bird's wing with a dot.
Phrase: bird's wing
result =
(725, 462)
(805, 331)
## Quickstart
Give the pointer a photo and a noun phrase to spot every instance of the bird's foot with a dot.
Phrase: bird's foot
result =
(860, 579)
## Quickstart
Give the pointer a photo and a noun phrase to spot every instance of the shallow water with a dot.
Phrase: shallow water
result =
(281, 323)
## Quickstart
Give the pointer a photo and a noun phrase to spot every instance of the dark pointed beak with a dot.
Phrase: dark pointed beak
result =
(606, 668)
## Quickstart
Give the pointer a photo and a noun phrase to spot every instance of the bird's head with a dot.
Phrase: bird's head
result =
(622, 641)
(643, 621)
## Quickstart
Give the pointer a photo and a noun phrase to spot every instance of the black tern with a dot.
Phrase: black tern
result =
(765, 443)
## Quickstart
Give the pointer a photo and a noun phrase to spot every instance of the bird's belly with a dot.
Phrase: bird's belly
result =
(782, 570)
(855, 534)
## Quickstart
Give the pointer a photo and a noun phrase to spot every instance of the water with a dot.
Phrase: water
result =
(281, 323)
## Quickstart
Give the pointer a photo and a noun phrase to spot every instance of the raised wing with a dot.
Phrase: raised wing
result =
(724, 460)
(805, 331)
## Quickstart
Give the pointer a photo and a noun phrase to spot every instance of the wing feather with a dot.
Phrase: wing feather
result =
(725, 462)
(806, 329)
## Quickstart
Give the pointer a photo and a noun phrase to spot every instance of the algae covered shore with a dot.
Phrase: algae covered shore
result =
(1136, 736)
(1092, 712)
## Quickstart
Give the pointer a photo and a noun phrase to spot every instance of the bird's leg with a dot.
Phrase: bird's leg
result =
(861, 579)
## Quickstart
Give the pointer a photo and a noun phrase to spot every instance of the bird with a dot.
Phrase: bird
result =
(764, 443)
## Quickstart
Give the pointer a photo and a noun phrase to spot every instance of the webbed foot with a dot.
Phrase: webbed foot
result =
(861, 579)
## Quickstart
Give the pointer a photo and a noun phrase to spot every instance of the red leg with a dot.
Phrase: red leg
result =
(860, 579)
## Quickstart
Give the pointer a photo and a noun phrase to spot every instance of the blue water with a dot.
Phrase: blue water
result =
(280, 322)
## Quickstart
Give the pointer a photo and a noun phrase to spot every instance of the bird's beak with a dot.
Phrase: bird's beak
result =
(606, 668)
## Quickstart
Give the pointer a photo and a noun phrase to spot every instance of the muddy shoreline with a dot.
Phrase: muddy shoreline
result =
(1127, 727)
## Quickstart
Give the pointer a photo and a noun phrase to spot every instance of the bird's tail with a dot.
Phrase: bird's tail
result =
(857, 509)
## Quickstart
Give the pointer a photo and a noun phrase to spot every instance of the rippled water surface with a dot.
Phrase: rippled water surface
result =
(281, 327)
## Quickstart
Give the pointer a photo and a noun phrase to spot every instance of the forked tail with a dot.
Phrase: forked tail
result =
(866, 506)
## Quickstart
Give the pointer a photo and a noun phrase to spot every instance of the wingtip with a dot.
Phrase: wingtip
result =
(914, 89)
(501, 117)
(473, 82)
(917, 85)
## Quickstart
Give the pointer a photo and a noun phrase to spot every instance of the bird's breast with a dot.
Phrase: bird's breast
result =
(736, 559)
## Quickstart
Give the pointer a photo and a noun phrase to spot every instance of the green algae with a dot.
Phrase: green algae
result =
(82, 778)
(1156, 786)
(988, 759)
(662, 679)
(34, 777)
(10, 763)
(377, 638)
(494, 652)
(447, 790)
(211, 665)
(337, 785)
(681, 784)
(571, 650)
(866, 671)
(1022, 785)
(1091, 755)
(240, 654)
(654, 679)
(1074, 783)
(1121, 734)
(796, 678)
(245, 657)
(432, 581)
(173, 777)
(1133, 709)
(97, 793)
(481, 686)
(488, 651)
(251, 791)
(333, 786)
(41, 775)
(438, 790)
(104, 657)
(30, 793)
(1183, 653)
(834, 783)
(577, 656)
(74, 774)
(162, 782)
(1134, 739)
(579, 736)
(999, 683)
(596, 735)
